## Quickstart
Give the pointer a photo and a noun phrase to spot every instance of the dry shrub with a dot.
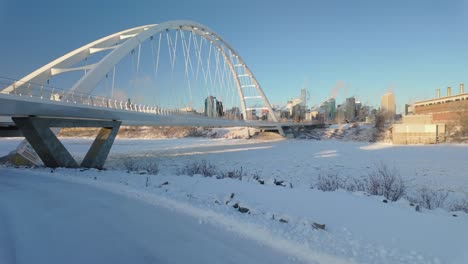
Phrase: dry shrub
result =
(383, 181)
(141, 165)
(460, 205)
(329, 182)
(429, 199)
(233, 174)
(386, 181)
(199, 168)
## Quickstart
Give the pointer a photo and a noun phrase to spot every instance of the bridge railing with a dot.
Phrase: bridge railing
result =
(54, 94)
(50, 93)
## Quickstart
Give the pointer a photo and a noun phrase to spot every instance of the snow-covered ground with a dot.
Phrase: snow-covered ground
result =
(48, 220)
(295, 161)
(358, 228)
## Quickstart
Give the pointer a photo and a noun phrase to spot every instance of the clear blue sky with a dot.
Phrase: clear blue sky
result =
(370, 47)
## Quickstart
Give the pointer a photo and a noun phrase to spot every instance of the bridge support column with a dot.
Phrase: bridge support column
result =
(281, 131)
(53, 153)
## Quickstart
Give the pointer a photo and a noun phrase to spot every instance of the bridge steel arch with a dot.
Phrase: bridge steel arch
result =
(42, 74)
(121, 44)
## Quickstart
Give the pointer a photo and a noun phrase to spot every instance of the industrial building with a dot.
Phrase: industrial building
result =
(444, 109)
(418, 129)
(426, 121)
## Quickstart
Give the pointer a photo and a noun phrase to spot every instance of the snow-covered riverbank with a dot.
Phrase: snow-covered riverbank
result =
(358, 228)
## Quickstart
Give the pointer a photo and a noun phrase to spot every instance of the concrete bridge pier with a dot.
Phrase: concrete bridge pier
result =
(53, 153)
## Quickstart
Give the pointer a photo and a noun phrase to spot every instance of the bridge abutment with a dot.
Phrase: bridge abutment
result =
(53, 153)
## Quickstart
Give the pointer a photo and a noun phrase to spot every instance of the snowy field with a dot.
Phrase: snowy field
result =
(358, 228)
(295, 161)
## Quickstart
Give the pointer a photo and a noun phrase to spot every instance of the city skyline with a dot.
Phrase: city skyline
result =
(361, 49)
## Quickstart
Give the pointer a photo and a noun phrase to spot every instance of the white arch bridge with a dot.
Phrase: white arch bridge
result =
(191, 77)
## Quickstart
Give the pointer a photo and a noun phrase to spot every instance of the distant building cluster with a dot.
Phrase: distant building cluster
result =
(213, 107)
(328, 112)
(295, 109)
(351, 110)
(233, 113)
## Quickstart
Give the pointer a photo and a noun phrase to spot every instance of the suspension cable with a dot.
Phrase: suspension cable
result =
(113, 82)
(200, 64)
(138, 59)
(186, 60)
(156, 64)
(209, 78)
(133, 82)
(198, 47)
(216, 74)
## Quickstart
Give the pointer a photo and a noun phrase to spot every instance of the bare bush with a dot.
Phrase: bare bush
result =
(130, 164)
(458, 128)
(429, 199)
(141, 165)
(199, 167)
(463, 122)
(329, 182)
(386, 181)
(383, 181)
(460, 205)
(196, 132)
(152, 168)
(380, 133)
(233, 174)
(209, 170)
(380, 120)
(356, 185)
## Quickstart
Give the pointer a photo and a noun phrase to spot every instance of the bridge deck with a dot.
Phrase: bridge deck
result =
(15, 105)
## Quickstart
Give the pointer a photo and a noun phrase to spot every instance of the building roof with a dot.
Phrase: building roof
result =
(442, 99)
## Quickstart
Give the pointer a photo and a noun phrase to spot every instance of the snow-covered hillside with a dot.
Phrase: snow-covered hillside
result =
(152, 132)
(274, 203)
(360, 132)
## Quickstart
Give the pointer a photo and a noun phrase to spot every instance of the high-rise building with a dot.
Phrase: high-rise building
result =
(290, 105)
(358, 106)
(329, 109)
(251, 114)
(304, 98)
(233, 113)
(350, 109)
(213, 107)
(388, 103)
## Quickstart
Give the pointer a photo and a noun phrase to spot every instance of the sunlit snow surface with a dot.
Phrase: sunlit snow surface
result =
(297, 161)
(359, 228)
